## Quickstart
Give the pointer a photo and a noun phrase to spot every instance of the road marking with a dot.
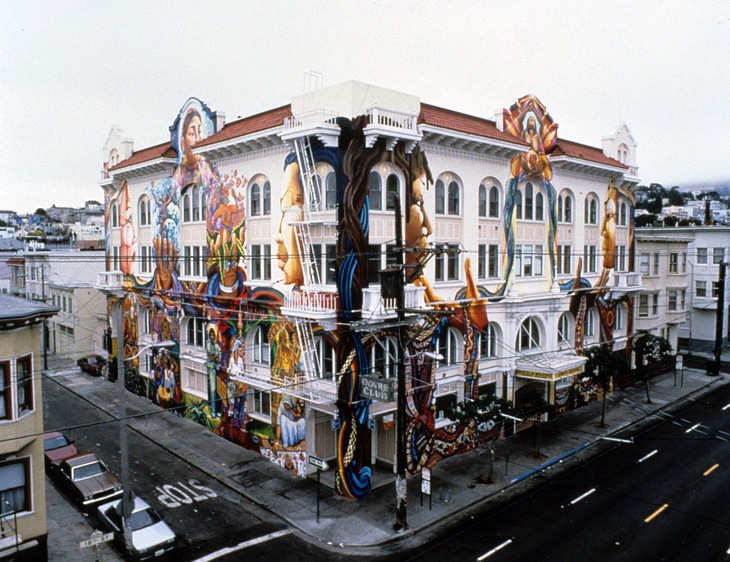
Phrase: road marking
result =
(241, 546)
(695, 426)
(495, 549)
(588, 493)
(723, 432)
(725, 407)
(657, 512)
(713, 467)
(642, 459)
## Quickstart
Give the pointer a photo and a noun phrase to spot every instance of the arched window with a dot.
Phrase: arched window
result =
(375, 191)
(143, 211)
(591, 210)
(494, 201)
(518, 204)
(622, 214)
(528, 201)
(384, 358)
(440, 198)
(488, 342)
(453, 198)
(589, 324)
(260, 344)
(193, 203)
(186, 205)
(330, 190)
(568, 209)
(448, 346)
(482, 200)
(564, 328)
(195, 196)
(115, 215)
(267, 198)
(560, 208)
(539, 215)
(391, 189)
(528, 336)
(255, 199)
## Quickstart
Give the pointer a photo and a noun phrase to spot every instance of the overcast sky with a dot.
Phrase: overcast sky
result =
(71, 70)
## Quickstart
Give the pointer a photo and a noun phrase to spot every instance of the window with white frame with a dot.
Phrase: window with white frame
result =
(488, 342)
(620, 318)
(143, 211)
(482, 200)
(488, 262)
(718, 255)
(24, 383)
(589, 259)
(589, 323)
(672, 300)
(194, 261)
(655, 304)
(715, 289)
(383, 184)
(115, 215)
(591, 210)
(701, 289)
(260, 345)
(656, 263)
(6, 402)
(644, 264)
(518, 204)
(375, 191)
(529, 260)
(193, 204)
(565, 259)
(620, 258)
(702, 256)
(16, 489)
(259, 197)
(565, 326)
(258, 401)
(448, 345)
(195, 378)
(565, 207)
(448, 198)
(482, 261)
(384, 357)
(195, 331)
(528, 336)
(326, 356)
(447, 262)
(673, 262)
(622, 214)
(494, 201)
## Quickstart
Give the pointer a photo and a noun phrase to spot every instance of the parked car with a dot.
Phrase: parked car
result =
(57, 447)
(87, 481)
(92, 364)
(151, 536)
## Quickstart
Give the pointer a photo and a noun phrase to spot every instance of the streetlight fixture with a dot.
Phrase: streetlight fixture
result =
(127, 494)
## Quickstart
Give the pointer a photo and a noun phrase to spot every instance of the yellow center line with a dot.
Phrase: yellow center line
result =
(657, 512)
(713, 467)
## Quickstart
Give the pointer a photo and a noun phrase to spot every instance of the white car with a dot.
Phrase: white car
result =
(151, 536)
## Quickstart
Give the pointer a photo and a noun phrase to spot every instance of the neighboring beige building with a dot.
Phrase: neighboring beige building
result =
(664, 304)
(78, 328)
(23, 534)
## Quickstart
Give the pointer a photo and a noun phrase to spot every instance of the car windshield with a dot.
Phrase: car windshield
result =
(92, 360)
(144, 518)
(55, 443)
(89, 470)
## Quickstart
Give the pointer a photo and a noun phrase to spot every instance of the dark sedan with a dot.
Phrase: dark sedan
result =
(87, 481)
(92, 364)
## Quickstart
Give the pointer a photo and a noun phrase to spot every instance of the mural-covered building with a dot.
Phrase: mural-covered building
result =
(267, 248)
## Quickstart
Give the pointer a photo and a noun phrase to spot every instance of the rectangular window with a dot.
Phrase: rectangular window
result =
(440, 262)
(683, 262)
(143, 261)
(620, 258)
(493, 260)
(187, 261)
(715, 289)
(316, 253)
(115, 258)
(673, 263)
(701, 289)
(195, 379)
(482, 261)
(15, 492)
(537, 260)
(255, 261)
(24, 372)
(589, 259)
(453, 262)
(718, 255)
(258, 401)
(266, 261)
(644, 264)
(643, 306)
(682, 299)
(196, 261)
(5, 393)
(331, 264)
(702, 256)
(656, 264)
(374, 264)
(655, 304)
(672, 306)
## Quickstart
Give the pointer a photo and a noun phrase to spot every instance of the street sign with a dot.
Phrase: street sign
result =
(377, 389)
(319, 463)
(97, 537)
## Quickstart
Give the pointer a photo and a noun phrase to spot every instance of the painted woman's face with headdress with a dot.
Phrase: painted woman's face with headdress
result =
(193, 132)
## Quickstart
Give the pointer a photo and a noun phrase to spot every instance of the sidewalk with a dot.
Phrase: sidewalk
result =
(366, 523)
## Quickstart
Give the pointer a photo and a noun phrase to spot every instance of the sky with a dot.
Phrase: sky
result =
(70, 70)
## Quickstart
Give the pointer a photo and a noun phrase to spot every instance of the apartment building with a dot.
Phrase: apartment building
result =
(268, 249)
(23, 532)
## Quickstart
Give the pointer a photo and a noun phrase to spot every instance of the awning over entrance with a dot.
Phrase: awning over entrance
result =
(546, 367)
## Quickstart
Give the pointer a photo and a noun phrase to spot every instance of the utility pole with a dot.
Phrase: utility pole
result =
(401, 482)
(127, 494)
(714, 369)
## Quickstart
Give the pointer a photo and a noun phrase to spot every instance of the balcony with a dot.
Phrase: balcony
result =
(319, 391)
(376, 309)
(393, 126)
(110, 281)
(318, 123)
(620, 284)
(320, 306)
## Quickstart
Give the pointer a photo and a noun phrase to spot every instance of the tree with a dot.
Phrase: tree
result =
(602, 365)
(482, 416)
(41, 212)
(650, 349)
(675, 197)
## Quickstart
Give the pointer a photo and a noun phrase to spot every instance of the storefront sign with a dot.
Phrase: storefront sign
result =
(549, 376)
(377, 389)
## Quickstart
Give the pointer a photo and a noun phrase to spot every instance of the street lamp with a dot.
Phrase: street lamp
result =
(127, 495)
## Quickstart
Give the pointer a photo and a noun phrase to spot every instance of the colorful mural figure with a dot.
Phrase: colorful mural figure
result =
(528, 120)
(128, 245)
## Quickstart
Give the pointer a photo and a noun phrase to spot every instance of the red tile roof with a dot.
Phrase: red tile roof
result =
(146, 154)
(455, 121)
(249, 125)
(584, 152)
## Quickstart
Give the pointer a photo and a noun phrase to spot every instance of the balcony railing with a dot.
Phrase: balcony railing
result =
(623, 283)
(110, 280)
(373, 303)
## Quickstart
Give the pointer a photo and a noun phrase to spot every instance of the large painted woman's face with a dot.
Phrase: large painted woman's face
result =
(194, 132)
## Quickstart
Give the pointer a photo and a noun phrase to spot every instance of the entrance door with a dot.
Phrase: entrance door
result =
(386, 442)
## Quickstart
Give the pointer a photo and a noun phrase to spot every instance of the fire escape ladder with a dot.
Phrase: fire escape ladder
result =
(312, 203)
(308, 350)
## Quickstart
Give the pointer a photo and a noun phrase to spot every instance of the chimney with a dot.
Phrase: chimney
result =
(708, 213)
